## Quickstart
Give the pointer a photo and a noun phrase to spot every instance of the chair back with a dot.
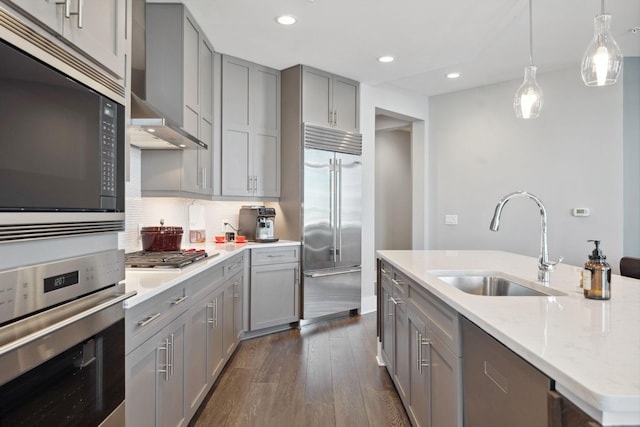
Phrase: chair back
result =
(630, 267)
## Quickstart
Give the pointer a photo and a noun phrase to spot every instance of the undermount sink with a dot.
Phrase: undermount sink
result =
(494, 284)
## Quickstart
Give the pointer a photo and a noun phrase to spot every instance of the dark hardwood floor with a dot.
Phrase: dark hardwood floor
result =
(324, 374)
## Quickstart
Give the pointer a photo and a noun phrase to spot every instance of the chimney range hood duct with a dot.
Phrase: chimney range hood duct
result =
(149, 127)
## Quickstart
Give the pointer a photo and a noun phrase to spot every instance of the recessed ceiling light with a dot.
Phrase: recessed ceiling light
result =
(286, 20)
(453, 75)
(386, 59)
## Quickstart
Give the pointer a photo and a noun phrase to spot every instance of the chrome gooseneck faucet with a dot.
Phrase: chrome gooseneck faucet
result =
(545, 267)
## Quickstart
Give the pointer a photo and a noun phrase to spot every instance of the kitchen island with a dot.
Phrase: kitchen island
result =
(590, 348)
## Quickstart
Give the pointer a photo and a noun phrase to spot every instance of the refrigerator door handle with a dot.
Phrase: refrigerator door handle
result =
(339, 210)
(333, 273)
(333, 208)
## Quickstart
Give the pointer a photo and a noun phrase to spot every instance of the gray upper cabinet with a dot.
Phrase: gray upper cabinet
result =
(329, 100)
(180, 83)
(250, 129)
(173, 45)
(95, 28)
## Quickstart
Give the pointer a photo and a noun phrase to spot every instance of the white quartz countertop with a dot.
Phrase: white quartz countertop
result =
(590, 348)
(148, 282)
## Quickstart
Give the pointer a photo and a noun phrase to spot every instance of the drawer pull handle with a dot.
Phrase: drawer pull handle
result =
(179, 300)
(494, 375)
(396, 301)
(275, 256)
(383, 271)
(397, 282)
(148, 319)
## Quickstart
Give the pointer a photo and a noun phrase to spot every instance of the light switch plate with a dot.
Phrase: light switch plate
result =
(580, 211)
(451, 219)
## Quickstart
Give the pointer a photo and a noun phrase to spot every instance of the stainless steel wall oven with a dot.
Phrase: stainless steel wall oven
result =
(62, 347)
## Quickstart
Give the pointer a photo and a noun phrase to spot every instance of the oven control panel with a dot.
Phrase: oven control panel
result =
(33, 288)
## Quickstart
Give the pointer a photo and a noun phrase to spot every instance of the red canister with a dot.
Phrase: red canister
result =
(160, 239)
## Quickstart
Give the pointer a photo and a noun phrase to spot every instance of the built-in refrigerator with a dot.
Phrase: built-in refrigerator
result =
(331, 212)
(321, 206)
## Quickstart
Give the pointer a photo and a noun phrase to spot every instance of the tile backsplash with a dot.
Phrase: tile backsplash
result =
(148, 211)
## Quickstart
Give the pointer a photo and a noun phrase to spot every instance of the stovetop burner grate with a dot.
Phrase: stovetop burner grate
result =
(168, 259)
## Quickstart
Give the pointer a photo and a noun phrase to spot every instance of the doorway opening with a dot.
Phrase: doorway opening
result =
(393, 182)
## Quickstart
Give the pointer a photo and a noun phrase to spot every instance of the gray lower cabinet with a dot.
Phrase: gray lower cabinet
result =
(177, 343)
(275, 287)
(204, 352)
(155, 378)
(420, 344)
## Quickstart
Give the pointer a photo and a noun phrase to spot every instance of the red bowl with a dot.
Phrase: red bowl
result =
(161, 239)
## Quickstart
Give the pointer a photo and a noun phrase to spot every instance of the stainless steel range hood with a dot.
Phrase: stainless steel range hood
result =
(149, 127)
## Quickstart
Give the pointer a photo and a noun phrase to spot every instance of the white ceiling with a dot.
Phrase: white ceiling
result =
(486, 40)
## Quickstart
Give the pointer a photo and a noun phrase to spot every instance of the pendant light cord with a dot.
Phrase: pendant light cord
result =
(531, 31)
(602, 7)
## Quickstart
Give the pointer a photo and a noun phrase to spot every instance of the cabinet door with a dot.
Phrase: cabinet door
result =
(191, 114)
(142, 378)
(265, 159)
(345, 104)
(237, 307)
(420, 399)
(197, 376)
(101, 34)
(171, 407)
(401, 348)
(228, 316)
(387, 326)
(316, 97)
(236, 130)
(206, 80)
(215, 350)
(274, 295)
(48, 13)
(235, 163)
(445, 372)
(265, 153)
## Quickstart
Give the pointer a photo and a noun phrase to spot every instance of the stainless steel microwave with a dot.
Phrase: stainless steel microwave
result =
(61, 152)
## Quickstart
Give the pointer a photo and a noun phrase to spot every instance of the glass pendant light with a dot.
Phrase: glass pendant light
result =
(529, 99)
(602, 61)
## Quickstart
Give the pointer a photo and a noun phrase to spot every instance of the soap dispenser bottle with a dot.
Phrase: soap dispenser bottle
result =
(596, 276)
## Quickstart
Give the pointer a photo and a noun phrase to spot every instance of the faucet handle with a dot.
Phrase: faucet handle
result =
(551, 264)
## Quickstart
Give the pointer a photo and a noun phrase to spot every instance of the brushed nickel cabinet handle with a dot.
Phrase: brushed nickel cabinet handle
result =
(179, 300)
(148, 319)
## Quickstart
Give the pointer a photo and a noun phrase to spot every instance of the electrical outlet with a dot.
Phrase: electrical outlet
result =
(223, 227)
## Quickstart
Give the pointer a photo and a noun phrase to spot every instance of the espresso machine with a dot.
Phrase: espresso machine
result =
(257, 223)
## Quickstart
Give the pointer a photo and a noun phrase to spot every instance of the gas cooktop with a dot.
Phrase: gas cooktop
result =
(167, 259)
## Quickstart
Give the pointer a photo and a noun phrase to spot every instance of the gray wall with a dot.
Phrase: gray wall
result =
(570, 157)
(631, 167)
(393, 190)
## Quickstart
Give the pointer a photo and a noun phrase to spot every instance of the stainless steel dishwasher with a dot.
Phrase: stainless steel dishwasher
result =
(500, 388)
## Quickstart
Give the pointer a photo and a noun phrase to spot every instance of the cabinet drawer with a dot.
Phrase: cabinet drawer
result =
(400, 282)
(274, 255)
(441, 319)
(206, 281)
(233, 266)
(145, 319)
